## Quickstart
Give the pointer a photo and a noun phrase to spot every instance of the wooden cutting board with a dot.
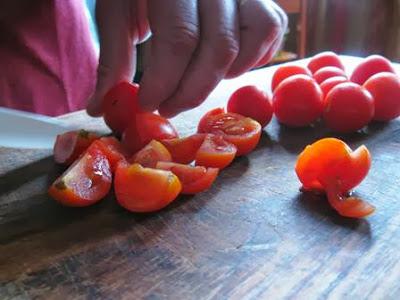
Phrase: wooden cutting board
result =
(253, 235)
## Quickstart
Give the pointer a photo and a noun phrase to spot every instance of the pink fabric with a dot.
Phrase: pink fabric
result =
(47, 60)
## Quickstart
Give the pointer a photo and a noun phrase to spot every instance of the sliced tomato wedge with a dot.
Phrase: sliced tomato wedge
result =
(85, 182)
(243, 132)
(215, 152)
(183, 150)
(70, 145)
(141, 189)
(194, 179)
(151, 154)
(113, 150)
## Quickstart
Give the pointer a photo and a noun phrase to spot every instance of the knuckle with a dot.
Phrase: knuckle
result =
(226, 49)
(183, 39)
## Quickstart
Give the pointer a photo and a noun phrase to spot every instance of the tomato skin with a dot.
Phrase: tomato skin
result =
(327, 72)
(151, 154)
(85, 182)
(385, 89)
(297, 101)
(330, 83)
(120, 105)
(250, 101)
(215, 152)
(146, 127)
(70, 145)
(183, 150)
(139, 189)
(113, 150)
(285, 72)
(205, 119)
(324, 59)
(194, 179)
(370, 66)
(236, 129)
(348, 107)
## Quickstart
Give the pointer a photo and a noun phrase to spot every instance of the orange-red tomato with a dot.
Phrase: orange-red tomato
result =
(205, 119)
(151, 154)
(85, 182)
(113, 150)
(70, 145)
(250, 101)
(120, 105)
(330, 83)
(146, 127)
(329, 165)
(385, 89)
(297, 101)
(327, 72)
(141, 189)
(183, 150)
(324, 59)
(286, 71)
(194, 179)
(215, 152)
(371, 65)
(243, 132)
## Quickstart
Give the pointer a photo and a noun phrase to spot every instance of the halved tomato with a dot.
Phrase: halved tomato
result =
(141, 189)
(215, 152)
(183, 150)
(85, 182)
(194, 179)
(152, 153)
(243, 132)
(146, 127)
(113, 150)
(70, 145)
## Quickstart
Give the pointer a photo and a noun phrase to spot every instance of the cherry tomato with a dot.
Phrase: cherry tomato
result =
(120, 105)
(297, 101)
(205, 119)
(85, 182)
(327, 72)
(113, 150)
(70, 145)
(286, 71)
(348, 108)
(324, 59)
(183, 150)
(141, 189)
(249, 101)
(215, 152)
(370, 66)
(151, 154)
(329, 165)
(385, 89)
(194, 179)
(330, 83)
(236, 129)
(146, 127)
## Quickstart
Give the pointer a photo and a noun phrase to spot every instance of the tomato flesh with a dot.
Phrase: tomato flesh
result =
(70, 145)
(139, 189)
(194, 179)
(85, 182)
(215, 152)
(151, 154)
(183, 150)
(113, 150)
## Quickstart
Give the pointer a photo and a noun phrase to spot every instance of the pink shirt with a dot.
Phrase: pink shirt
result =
(47, 59)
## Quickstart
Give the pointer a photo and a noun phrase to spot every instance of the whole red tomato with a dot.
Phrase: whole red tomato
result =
(324, 59)
(286, 71)
(327, 72)
(370, 66)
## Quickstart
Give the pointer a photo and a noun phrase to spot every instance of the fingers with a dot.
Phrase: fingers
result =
(175, 35)
(260, 26)
(218, 48)
(117, 51)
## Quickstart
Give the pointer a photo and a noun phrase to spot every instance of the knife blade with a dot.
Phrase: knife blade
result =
(20, 129)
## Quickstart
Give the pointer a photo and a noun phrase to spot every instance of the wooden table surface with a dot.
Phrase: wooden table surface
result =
(253, 235)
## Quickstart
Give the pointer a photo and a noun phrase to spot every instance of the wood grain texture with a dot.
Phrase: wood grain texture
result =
(253, 235)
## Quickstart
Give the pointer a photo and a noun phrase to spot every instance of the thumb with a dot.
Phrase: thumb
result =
(117, 59)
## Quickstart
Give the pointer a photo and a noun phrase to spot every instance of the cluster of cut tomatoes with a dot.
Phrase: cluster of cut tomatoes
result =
(303, 95)
(151, 165)
(330, 166)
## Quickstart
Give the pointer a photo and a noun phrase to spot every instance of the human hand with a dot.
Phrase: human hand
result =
(194, 45)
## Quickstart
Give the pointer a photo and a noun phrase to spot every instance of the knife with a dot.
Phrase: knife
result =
(20, 129)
